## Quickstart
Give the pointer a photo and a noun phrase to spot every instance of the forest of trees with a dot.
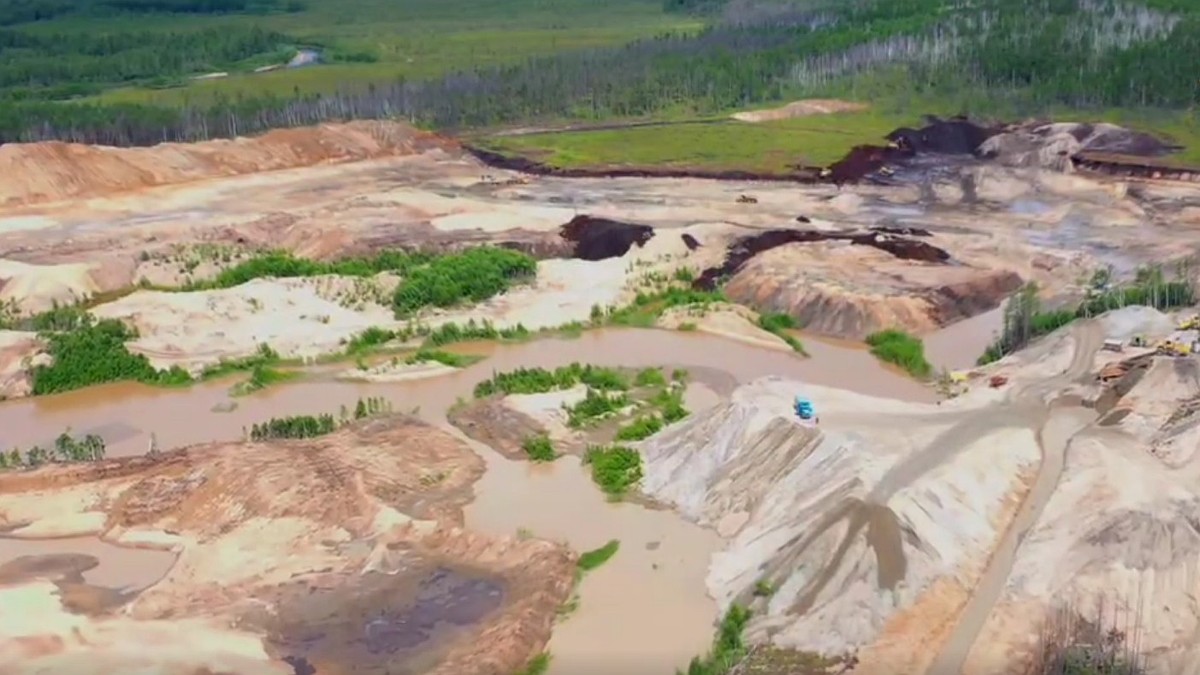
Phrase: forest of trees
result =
(1046, 52)
(52, 66)
(16, 12)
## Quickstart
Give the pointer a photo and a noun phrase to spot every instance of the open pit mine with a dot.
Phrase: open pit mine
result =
(907, 529)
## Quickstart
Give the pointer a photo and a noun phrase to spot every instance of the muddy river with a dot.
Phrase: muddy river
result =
(649, 601)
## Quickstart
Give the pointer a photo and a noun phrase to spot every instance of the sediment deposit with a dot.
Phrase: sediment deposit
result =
(288, 552)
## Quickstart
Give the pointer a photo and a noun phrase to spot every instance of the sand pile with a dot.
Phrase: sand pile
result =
(844, 290)
(48, 171)
(727, 320)
(35, 288)
(287, 551)
(853, 556)
(298, 318)
(804, 108)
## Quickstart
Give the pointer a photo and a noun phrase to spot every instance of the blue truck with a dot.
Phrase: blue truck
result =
(804, 410)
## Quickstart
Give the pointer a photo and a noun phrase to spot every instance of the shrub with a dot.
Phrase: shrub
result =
(644, 426)
(444, 358)
(590, 560)
(473, 275)
(650, 377)
(615, 468)
(539, 448)
(901, 349)
(93, 353)
(728, 648)
(594, 405)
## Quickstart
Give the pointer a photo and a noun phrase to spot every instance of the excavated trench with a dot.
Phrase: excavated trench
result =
(743, 250)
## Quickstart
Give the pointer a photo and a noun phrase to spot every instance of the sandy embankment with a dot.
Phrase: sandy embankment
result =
(49, 171)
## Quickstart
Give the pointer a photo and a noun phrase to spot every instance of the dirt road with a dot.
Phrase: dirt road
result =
(1056, 426)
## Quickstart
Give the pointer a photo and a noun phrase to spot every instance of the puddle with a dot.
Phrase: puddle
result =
(100, 563)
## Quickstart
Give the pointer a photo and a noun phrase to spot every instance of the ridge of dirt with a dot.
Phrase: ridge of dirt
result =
(803, 108)
(51, 170)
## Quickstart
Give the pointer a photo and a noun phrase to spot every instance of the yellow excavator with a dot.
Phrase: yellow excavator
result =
(1190, 323)
(1171, 347)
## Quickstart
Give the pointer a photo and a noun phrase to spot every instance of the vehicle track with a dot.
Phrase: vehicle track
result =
(1055, 427)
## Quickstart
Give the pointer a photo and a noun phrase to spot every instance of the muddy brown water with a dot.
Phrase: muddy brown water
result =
(647, 609)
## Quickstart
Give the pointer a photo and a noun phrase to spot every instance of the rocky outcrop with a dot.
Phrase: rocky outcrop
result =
(1051, 146)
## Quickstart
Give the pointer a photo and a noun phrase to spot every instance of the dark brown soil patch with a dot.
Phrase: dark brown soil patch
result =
(742, 250)
(601, 238)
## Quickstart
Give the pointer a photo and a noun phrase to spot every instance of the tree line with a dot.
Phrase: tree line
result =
(1066, 52)
(311, 426)
(50, 66)
(67, 448)
(1025, 318)
(16, 12)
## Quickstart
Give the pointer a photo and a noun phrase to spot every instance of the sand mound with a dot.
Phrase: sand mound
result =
(298, 318)
(35, 288)
(817, 515)
(18, 351)
(843, 290)
(339, 553)
(48, 171)
(805, 108)
(727, 320)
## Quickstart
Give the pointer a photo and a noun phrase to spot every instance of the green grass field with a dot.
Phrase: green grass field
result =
(721, 143)
(712, 144)
(407, 38)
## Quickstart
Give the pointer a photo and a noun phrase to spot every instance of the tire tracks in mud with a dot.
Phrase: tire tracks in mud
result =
(1025, 407)
(1055, 426)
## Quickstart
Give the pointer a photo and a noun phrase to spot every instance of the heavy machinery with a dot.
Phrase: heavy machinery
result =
(746, 199)
(805, 411)
(1171, 347)
(1190, 323)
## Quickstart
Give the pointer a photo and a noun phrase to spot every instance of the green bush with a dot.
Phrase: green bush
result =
(449, 333)
(728, 648)
(670, 404)
(282, 264)
(540, 380)
(539, 448)
(594, 405)
(438, 356)
(775, 322)
(650, 377)
(901, 349)
(615, 468)
(473, 275)
(642, 427)
(94, 353)
(590, 560)
(538, 665)
(779, 325)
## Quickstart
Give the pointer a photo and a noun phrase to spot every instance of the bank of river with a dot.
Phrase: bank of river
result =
(648, 606)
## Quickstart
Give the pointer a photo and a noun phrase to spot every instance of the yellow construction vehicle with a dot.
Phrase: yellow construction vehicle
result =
(1172, 348)
(1190, 323)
